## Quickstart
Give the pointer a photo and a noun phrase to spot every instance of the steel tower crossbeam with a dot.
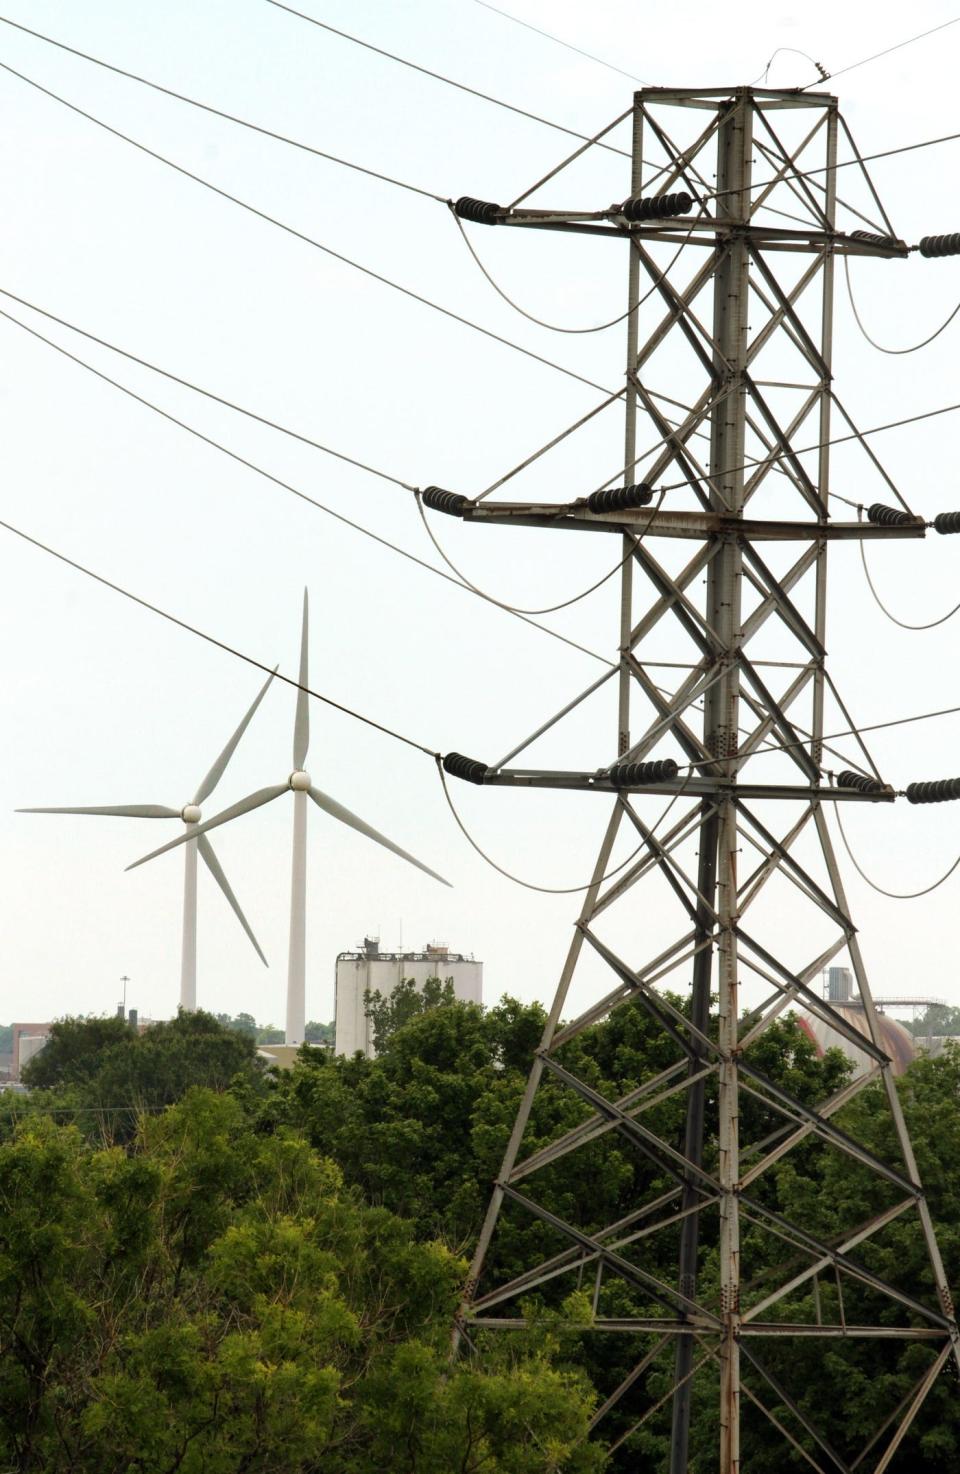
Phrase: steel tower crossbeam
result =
(747, 611)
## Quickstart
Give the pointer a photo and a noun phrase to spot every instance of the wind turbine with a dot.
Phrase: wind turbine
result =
(196, 844)
(300, 785)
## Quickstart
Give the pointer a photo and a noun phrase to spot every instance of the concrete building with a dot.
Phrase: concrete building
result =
(28, 1040)
(371, 970)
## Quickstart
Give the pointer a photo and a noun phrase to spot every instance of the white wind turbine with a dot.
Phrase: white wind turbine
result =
(196, 844)
(299, 783)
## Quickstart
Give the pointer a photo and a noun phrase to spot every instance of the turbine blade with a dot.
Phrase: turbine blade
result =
(337, 811)
(301, 726)
(216, 870)
(262, 796)
(117, 811)
(219, 768)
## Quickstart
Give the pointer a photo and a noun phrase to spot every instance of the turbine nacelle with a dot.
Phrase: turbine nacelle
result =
(190, 814)
(299, 781)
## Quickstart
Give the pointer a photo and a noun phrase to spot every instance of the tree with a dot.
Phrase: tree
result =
(75, 1051)
(937, 1019)
(388, 1012)
(107, 1066)
(213, 1301)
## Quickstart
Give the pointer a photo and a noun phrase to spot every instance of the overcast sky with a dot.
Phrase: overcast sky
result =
(105, 703)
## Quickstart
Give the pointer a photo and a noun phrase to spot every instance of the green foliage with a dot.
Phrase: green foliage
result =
(936, 1020)
(213, 1301)
(106, 1066)
(75, 1051)
(219, 1295)
(389, 1012)
(402, 1126)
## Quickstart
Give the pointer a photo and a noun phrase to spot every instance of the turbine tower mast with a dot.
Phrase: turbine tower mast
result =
(759, 622)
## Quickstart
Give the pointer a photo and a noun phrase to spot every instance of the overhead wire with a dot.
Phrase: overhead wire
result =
(438, 76)
(611, 396)
(287, 486)
(355, 265)
(200, 634)
(335, 159)
(588, 140)
(913, 347)
(569, 159)
(216, 112)
(199, 389)
(794, 51)
(635, 540)
(902, 623)
(567, 45)
(528, 885)
(556, 327)
(752, 465)
(550, 326)
(299, 234)
(219, 112)
(885, 153)
(892, 895)
(888, 51)
(923, 716)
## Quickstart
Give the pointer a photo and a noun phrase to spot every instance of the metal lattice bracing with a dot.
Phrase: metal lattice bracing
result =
(723, 596)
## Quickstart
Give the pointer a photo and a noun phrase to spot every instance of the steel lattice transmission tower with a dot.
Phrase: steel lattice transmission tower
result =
(732, 561)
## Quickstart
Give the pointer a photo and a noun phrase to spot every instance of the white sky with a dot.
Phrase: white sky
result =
(107, 704)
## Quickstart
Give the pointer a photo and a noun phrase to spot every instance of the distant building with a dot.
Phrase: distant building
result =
(28, 1040)
(895, 1040)
(843, 996)
(371, 970)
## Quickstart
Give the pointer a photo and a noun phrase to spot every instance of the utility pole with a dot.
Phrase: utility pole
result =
(738, 853)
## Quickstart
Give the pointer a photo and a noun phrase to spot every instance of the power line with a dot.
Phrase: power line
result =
(198, 389)
(288, 487)
(212, 639)
(548, 35)
(923, 716)
(928, 414)
(887, 52)
(634, 540)
(556, 327)
(301, 235)
(528, 885)
(439, 77)
(347, 260)
(886, 153)
(552, 327)
(893, 895)
(341, 455)
(390, 179)
(794, 51)
(219, 112)
(932, 624)
(879, 346)
(569, 158)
